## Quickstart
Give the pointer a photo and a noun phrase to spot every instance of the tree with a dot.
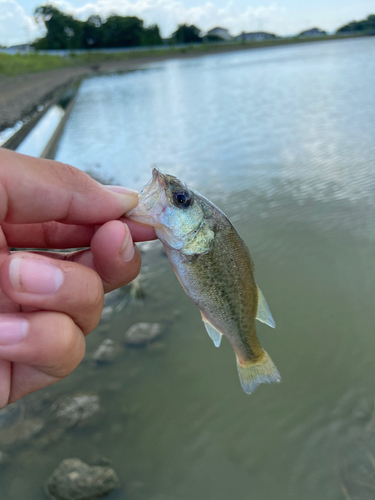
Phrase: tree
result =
(92, 32)
(212, 38)
(367, 24)
(151, 36)
(122, 31)
(63, 31)
(186, 34)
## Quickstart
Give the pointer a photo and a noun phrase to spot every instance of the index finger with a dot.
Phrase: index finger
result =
(37, 190)
(56, 235)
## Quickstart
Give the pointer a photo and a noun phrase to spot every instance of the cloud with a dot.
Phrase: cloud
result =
(15, 25)
(169, 13)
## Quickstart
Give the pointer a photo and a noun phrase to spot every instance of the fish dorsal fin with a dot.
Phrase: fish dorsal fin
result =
(264, 314)
(212, 332)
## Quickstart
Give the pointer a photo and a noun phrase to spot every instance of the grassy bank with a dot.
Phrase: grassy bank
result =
(17, 64)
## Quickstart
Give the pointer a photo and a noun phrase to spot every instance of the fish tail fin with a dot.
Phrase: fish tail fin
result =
(254, 373)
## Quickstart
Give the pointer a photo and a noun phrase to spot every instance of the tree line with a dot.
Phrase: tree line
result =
(366, 25)
(63, 31)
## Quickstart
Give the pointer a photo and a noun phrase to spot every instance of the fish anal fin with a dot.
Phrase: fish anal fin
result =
(214, 334)
(264, 314)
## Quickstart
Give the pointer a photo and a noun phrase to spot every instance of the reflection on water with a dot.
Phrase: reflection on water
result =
(38, 138)
(282, 140)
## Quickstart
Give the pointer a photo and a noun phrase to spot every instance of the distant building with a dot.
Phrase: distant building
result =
(257, 36)
(313, 32)
(220, 33)
(14, 49)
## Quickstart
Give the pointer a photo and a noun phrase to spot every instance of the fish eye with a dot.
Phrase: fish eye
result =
(182, 199)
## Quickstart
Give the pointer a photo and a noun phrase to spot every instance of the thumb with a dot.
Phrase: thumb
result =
(37, 190)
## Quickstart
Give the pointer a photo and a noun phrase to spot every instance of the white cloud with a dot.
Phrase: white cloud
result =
(15, 25)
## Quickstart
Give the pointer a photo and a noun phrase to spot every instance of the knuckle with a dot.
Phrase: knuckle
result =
(76, 177)
(66, 172)
(93, 293)
(89, 313)
(69, 348)
(50, 232)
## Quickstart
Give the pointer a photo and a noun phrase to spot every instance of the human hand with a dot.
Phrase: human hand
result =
(50, 301)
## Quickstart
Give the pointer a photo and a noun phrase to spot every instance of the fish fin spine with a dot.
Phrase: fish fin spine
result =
(254, 373)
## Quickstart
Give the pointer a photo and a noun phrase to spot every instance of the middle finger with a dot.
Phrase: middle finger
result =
(43, 283)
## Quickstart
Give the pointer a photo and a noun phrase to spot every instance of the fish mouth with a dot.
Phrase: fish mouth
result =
(152, 201)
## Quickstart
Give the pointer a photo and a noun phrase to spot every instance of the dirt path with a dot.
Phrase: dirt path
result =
(21, 95)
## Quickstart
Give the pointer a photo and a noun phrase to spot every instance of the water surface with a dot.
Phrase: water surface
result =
(282, 139)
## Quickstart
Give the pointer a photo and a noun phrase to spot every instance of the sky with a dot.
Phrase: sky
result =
(283, 17)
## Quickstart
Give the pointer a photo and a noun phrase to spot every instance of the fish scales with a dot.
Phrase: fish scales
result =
(214, 268)
(229, 303)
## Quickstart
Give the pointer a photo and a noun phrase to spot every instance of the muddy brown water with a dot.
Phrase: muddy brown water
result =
(282, 139)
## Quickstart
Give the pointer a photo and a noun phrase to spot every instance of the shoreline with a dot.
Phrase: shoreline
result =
(21, 96)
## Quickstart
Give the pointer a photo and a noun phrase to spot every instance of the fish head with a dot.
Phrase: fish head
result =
(170, 207)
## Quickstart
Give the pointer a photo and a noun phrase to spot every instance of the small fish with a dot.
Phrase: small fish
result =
(215, 269)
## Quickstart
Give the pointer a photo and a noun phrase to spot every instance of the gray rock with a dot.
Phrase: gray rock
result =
(105, 353)
(75, 480)
(142, 333)
(79, 410)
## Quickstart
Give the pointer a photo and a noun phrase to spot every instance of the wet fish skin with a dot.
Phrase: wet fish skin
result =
(214, 268)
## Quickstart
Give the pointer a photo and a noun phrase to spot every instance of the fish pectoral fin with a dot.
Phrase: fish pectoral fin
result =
(214, 334)
(264, 314)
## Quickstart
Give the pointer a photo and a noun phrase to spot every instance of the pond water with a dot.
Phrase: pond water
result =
(283, 140)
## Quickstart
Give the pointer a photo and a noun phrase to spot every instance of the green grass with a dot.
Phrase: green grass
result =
(11, 65)
(17, 64)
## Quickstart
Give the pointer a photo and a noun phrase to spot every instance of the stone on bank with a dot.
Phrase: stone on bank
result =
(76, 480)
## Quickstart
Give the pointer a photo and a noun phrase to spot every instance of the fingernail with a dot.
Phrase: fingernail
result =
(122, 190)
(127, 249)
(12, 330)
(29, 275)
(129, 197)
